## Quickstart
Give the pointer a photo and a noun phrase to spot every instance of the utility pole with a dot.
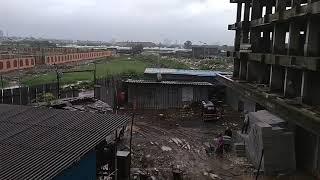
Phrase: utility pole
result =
(19, 57)
(95, 73)
(159, 56)
(58, 82)
(2, 84)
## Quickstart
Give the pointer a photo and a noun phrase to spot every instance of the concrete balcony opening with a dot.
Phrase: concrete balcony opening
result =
(258, 72)
(293, 83)
(276, 82)
(311, 95)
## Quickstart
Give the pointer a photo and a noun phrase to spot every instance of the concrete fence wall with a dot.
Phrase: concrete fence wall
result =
(66, 58)
(17, 63)
(7, 65)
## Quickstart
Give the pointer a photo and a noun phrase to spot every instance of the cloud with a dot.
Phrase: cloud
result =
(148, 20)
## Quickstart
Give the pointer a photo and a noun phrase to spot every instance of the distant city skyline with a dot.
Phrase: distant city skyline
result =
(122, 20)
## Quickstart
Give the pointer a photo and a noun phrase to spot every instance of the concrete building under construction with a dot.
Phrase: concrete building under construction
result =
(276, 67)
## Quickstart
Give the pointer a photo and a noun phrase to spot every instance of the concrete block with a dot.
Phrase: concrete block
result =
(267, 132)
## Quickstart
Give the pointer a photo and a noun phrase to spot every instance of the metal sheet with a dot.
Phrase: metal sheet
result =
(39, 143)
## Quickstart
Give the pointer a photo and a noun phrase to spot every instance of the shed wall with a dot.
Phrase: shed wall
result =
(85, 169)
(162, 96)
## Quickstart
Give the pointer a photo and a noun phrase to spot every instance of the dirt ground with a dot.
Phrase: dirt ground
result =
(179, 140)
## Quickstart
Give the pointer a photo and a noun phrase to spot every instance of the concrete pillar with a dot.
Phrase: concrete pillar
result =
(243, 69)
(294, 35)
(270, 77)
(239, 12)
(248, 76)
(237, 40)
(279, 39)
(256, 11)
(312, 45)
(285, 82)
(280, 5)
(247, 11)
(236, 68)
(295, 3)
(316, 155)
(303, 85)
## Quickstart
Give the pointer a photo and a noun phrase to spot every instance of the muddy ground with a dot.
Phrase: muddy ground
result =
(167, 140)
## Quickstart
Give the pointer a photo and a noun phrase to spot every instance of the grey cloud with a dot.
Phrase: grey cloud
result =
(147, 20)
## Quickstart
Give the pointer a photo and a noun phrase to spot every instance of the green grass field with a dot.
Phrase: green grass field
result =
(115, 66)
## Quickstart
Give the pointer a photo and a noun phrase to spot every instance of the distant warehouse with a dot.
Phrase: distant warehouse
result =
(204, 51)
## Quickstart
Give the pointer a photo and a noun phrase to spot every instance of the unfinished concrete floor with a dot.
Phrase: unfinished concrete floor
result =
(163, 140)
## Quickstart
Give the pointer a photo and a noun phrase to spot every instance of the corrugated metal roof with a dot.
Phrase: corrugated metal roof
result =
(181, 72)
(131, 81)
(39, 143)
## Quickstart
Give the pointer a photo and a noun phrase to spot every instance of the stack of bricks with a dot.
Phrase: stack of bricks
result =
(268, 133)
(240, 149)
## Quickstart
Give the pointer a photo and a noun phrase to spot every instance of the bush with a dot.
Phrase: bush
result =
(46, 97)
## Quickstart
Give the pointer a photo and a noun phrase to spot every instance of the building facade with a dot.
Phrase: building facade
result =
(205, 51)
(276, 67)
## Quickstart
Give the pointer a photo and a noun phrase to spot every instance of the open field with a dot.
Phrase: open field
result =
(125, 65)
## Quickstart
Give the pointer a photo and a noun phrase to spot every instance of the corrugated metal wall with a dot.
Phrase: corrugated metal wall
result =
(147, 96)
(106, 89)
(27, 95)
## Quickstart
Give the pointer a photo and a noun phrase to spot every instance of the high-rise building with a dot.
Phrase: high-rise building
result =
(277, 66)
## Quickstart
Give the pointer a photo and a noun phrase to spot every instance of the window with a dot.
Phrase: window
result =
(15, 63)
(1, 65)
(55, 59)
(21, 63)
(52, 59)
(58, 58)
(32, 62)
(48, 59)
(27, 62)
(8, 65)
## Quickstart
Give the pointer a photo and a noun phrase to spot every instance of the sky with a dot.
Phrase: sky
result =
(121, 20)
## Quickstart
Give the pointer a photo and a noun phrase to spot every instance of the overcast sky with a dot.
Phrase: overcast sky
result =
(136, 20)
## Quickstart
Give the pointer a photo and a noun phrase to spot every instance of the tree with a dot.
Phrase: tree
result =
(188, 45)
(137, 49)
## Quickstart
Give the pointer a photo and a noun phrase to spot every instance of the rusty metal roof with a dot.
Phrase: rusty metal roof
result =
(39, 143)
(131, 81)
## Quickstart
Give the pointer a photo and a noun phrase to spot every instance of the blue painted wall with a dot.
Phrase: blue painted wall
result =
(85, 169)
